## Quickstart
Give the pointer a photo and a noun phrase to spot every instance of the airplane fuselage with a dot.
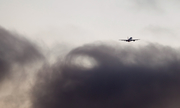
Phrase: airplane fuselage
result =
(129, 40)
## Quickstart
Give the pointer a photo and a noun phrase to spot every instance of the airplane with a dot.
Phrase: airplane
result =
(129, 39)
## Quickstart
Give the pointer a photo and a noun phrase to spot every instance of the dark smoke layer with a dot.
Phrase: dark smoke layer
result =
(15, 49)
(111, 76)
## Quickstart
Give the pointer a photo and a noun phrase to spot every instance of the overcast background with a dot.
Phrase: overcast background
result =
(83, 21)
(93, 27)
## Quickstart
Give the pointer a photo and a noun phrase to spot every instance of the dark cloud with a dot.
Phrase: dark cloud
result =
(15, 50)
(17, 54)
(118, 77)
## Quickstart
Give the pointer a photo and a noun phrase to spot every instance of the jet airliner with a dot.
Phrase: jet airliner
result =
(129, 39)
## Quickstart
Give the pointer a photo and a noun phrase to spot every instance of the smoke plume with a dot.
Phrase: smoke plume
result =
(106, 75)
(16, 54)
(15, 50)
(97, 75)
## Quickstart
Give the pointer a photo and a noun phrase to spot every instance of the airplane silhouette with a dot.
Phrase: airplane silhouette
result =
(129, 39)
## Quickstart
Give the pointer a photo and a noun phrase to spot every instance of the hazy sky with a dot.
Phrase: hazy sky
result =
(148, 75)
(84, 21)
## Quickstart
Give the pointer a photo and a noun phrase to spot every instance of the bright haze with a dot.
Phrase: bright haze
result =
(80, 21)
(67, 54)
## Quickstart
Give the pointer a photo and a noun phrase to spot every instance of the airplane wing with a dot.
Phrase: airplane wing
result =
(135, 39)
(122, 39)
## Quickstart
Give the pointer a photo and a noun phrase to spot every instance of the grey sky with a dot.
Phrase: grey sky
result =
(80, 21)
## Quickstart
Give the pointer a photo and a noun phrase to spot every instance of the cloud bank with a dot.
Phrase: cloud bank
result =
(97, 75)
(104, 75)
(15, 50)
(16, 54)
